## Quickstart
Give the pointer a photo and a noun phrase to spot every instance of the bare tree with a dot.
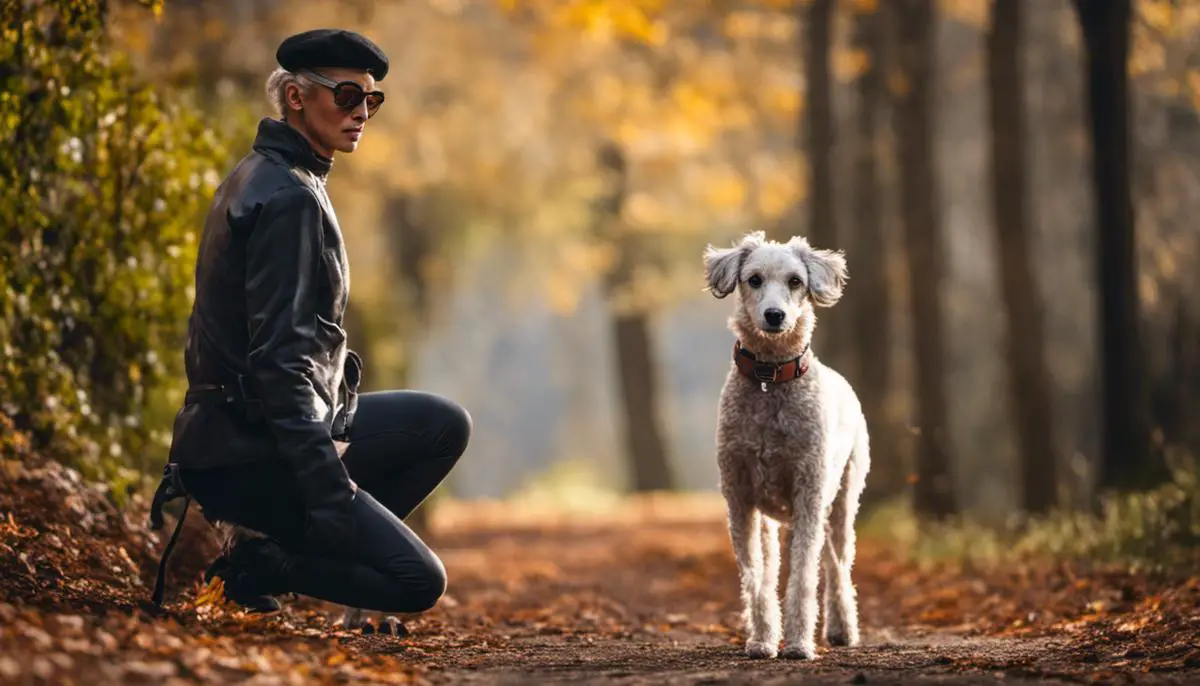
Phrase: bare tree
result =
(915, 22)
(871, 308)
(818, 124)
(1028, 377)
(1126, 459)
(644, 436)
(817, 130)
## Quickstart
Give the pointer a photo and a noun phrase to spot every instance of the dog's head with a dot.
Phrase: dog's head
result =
(777, 283)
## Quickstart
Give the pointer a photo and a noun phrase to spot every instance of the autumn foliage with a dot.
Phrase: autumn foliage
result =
(103, 185)
(553, 154)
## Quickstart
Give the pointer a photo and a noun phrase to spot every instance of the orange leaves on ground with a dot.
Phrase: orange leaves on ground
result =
(211, 594)
(653, 575)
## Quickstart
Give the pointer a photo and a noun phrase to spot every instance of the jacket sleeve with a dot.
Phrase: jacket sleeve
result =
(283, 258)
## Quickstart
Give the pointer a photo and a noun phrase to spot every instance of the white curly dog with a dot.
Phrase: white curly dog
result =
(792, 444)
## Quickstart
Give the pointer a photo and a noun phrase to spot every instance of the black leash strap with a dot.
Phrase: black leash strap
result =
(170, 488)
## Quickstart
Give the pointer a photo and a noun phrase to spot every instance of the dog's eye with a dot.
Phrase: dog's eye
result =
(754, 281)
(794, 282)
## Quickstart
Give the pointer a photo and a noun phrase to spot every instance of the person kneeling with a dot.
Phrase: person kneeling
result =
(272, 384)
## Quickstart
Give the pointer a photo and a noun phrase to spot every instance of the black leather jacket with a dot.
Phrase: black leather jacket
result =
(269, 372)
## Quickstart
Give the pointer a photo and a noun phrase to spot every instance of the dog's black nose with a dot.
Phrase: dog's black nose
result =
(774, 317)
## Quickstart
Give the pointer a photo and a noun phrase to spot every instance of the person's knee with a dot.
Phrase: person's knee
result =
(426, 595)
(456, 427)
(417, 589)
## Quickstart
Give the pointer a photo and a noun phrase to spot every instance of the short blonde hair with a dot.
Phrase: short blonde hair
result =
(277, 84)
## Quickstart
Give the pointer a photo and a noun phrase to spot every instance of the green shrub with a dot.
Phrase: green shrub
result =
(103, 187)
(1156, 528)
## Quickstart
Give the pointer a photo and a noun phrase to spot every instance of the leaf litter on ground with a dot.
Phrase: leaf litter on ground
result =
(646, 587)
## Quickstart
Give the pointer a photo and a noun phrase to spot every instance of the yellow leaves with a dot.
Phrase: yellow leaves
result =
(850, 64)
(969, 12)
(211, 594)
(782, 4)
(564, 288)
(726, 190)
(1162, 33)
(156, 8)
(608, 19)
(778, 190)
(1159, 15)
(759, 25)
(864, 6)
(691, 103)
(694, 117)
(1147, 56)
(643, 210)
(740, 25)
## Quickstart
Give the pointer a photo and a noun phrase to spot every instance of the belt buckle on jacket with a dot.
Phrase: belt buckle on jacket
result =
(252, 406)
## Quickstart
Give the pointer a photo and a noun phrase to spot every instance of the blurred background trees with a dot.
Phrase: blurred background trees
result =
(1014, 181)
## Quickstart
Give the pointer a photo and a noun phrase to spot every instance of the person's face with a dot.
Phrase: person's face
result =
(335, 111)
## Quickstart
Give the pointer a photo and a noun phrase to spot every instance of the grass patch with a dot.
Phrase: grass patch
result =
(1156, 529)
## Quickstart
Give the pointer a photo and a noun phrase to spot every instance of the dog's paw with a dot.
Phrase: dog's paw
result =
(799, 651)
(842, 638)
(761, 650)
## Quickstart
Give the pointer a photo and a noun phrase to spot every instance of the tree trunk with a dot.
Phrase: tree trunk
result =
(818, 124)
(410, 244)
(645, 444)
(817, 127)
(1028, 377)
(934, 491)
(1126, 459)
(872, 306)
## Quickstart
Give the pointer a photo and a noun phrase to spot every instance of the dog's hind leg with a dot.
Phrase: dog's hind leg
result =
(747, 540)
(841, 604)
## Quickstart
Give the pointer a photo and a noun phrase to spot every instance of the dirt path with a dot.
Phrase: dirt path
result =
(650, 600)
(644, 594)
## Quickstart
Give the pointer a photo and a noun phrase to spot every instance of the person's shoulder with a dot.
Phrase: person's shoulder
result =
(266, 190)
(263, 181)
(289, 197)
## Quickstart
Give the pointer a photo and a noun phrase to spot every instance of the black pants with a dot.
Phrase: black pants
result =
(402, 445)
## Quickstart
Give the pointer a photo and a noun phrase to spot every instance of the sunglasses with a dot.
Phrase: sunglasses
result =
(348, 94)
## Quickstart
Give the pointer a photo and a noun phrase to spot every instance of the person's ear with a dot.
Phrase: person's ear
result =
(294, 96)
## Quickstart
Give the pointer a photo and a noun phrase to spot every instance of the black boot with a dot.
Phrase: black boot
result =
(253, 573)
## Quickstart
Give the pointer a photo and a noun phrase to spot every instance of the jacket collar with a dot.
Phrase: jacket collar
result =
(277, 136)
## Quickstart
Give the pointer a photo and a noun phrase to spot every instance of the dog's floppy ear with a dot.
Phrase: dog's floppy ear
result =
(827, 273)
(723, 266)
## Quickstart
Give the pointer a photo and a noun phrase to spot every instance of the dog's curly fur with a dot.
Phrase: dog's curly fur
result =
(796, 453)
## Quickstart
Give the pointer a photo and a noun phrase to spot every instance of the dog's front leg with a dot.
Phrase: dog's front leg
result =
(768, 590)
(745, 535)
(800, 603)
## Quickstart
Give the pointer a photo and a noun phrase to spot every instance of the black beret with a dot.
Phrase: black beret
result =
(335, 48)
